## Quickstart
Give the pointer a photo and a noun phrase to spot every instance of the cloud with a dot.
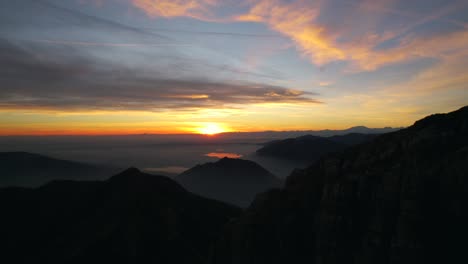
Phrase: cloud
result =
(299, 21)
(216, 33)
(174, 8)
(356, 40)
(64, 79)
(325, 84)
(60, 19)
(109, 44)
(296, 21)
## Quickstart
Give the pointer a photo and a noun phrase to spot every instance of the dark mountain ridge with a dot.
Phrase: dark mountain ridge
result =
(320, 133)
(33, 170)
(310, 147)
(352, 139)
(234, 181)
(400, 198)
(131, 218)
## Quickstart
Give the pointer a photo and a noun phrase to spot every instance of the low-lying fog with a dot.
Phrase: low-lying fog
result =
(159, 154)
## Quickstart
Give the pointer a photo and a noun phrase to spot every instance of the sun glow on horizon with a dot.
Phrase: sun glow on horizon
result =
(211, 129)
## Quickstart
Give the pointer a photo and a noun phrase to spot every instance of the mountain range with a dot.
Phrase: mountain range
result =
(399, 198)
(278, 135)
(132, 217)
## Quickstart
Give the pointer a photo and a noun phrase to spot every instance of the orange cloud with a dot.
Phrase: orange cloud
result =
(176, 8)
(298, 20)
(439, 47)
(325, 84)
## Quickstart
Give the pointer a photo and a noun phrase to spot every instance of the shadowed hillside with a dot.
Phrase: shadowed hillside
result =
(401, 198)
(234, 181)
(309, 147)
(32, 170)
(131, 218)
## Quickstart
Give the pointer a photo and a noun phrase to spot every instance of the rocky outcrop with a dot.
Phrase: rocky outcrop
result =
(401, 198)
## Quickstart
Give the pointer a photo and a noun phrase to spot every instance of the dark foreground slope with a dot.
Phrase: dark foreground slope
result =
(32, 170)
(131, 218)
(234, 181)
(311, 148)
(402, 198)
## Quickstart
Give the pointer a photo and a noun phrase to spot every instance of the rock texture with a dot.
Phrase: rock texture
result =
(401, 198)
(131, 218)
(234, 181)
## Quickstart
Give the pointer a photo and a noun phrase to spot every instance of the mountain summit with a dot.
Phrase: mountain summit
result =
(235, 181)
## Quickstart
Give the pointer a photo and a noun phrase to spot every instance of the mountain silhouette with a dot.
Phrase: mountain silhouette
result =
(399, 198)
(25, 169)
(234, 181)
(131, 218)
(321, 133)
(352, 139)
(309, 147)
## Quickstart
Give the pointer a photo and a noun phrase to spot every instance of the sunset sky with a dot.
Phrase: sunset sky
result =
(207, 66)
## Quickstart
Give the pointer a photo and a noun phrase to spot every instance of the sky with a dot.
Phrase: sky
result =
(80, 67)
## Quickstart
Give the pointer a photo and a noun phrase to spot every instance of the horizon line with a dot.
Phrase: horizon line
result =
(192, 133)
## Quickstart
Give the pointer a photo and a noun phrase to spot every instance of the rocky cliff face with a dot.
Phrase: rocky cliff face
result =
(401, 198)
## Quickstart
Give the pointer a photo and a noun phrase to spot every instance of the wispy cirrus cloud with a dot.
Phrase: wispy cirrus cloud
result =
(355, 42)
(199, 9)
(296, 20)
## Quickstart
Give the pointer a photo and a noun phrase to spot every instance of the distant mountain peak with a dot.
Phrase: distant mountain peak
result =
(234, 162)
(130, 171)
(33, 170)
(230, 180)
(226, 159)
(132, 179)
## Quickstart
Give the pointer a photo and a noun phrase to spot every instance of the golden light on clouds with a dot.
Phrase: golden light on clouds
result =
(174, 8)
(298, 20)
(252, 65)
(221, 155)
(211, 129)
(189, 96)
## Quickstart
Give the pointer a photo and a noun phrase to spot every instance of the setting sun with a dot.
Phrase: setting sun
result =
(211, 129)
